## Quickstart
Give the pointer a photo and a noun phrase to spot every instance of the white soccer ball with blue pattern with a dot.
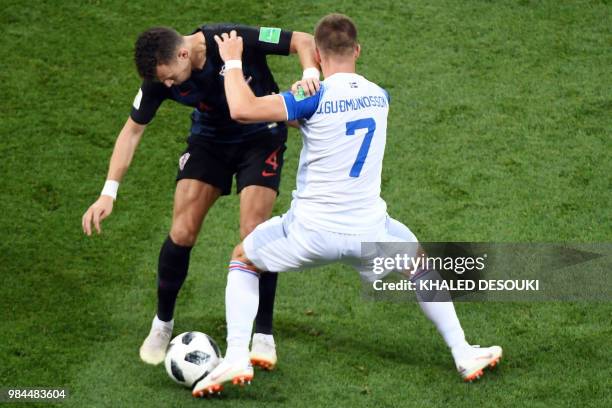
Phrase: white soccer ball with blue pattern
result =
(190, 357)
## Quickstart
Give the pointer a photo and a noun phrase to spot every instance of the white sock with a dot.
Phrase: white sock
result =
(440, 310)
(443, 315)
(160, 324)
(241, 303)
(267, 338)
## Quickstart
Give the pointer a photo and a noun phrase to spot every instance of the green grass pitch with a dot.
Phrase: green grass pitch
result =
(500, 130)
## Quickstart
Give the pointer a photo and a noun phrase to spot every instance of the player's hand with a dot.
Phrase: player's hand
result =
(98, 211)
(309, 85)
(230, 46)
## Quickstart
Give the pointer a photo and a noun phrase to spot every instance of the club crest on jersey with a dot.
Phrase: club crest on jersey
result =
(183, 161)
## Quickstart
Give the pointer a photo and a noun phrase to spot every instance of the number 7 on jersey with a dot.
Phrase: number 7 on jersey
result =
(351, 127)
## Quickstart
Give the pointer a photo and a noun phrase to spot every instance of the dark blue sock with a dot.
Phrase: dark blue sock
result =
(267, 292)
(171, 273)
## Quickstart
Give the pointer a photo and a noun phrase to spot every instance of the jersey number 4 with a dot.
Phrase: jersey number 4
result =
(351, 127)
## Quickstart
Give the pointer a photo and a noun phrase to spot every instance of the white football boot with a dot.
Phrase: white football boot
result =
(472, 360)
(263, 351)
(238, 372)
(153, 349)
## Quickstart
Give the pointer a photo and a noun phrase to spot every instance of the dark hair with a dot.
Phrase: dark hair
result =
(336, 34)
(155, 46)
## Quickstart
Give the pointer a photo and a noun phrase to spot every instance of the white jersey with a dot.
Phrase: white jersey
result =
(344, 129)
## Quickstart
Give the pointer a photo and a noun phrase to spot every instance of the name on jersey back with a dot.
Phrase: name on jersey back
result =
(344, 105)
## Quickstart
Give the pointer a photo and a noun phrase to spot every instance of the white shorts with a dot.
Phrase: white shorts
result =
(284, 243)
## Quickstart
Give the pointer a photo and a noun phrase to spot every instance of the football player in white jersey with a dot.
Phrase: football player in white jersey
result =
(336, 205)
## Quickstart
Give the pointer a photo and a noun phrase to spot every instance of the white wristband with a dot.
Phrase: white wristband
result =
(311, 73)
(110, 189)
(233, 64)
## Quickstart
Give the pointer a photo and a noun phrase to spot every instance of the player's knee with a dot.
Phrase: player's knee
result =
(239, 255)
(183, 236)
(247, 227)
(399, 230)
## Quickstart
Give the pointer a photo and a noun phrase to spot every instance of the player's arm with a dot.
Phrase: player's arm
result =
(303, 44)
(125, 146)
(145, 105)
(275, 41)
(244, 106)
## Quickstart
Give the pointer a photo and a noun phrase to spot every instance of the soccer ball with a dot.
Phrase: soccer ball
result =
(190, 357)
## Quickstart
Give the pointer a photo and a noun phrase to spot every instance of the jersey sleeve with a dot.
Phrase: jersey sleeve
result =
(147, 101)
(386, 95)
(299, 107)
(268, 40)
